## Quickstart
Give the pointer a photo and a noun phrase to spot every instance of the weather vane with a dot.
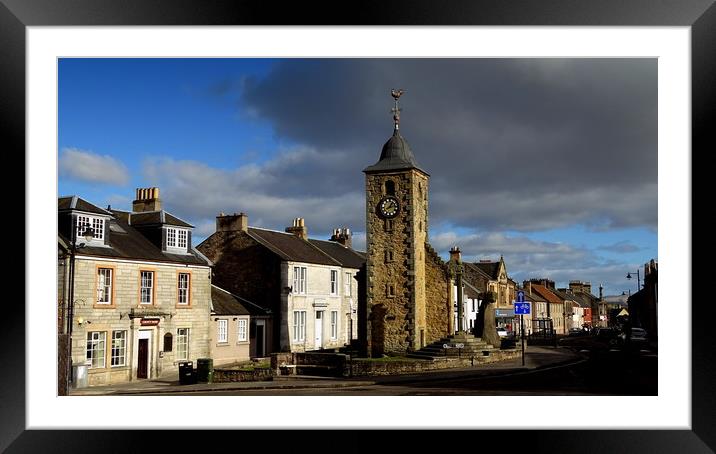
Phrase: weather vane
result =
(396, 93)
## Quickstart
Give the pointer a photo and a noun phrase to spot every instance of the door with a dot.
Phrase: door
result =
(143, 359)
(318, 341)
(260, 339)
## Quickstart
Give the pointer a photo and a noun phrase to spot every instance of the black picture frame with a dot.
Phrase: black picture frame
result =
(700, 15)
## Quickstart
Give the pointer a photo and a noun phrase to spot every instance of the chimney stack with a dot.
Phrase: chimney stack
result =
(343, 236)
(232, 222)
(298, 228)
(147, 199)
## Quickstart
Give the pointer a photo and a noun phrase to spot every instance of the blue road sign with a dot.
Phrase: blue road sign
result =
(521, 296)
(522, 308)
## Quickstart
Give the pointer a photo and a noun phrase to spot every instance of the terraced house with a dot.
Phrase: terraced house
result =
(135, 294)
(309, 285)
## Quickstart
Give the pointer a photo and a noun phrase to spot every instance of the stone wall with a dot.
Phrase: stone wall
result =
(364, 368)
(229, 375)
(438, 307)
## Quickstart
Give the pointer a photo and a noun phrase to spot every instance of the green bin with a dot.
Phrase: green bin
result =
(204, 370)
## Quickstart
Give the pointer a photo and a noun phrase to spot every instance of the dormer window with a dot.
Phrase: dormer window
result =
(177, 238)
(96, 224)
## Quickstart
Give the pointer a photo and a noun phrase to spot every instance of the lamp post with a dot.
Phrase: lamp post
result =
(88, 235)
(638, 279)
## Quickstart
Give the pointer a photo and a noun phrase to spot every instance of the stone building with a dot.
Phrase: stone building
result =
(408, 293)
(139, 299)
(309, 285)
(229, 327)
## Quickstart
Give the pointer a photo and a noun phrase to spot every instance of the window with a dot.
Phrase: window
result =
(222, 330)
(334, 324)
(299, 279)
(299, 326)
(171, 237)
(391, 290)
(183, 289)
(119, 348)
(334, 282)
(177, 238)
(242, 330)
(182, 343)
(388, 225)
(104, 286)
(182, 239)
(389, 187)
(147, 287)
(97, 225)
(95, 348)
(388, 256)
(168, 342)
(347, 280)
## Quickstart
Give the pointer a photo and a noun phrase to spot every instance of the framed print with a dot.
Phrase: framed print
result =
(678, 36)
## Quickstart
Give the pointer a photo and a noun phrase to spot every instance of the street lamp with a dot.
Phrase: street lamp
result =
(638, 279)
(88, 235)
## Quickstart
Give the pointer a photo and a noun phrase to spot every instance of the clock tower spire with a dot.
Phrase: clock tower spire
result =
(396, 236)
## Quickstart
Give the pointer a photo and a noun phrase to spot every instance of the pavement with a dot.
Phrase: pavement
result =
(536, 358)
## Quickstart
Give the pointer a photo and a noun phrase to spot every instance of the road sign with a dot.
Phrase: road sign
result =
(521, 297)
(522, 308)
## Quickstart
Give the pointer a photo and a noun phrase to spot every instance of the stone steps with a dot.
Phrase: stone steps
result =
(472, 346)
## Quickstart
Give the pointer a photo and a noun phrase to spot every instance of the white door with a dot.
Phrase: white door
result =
(319, 330)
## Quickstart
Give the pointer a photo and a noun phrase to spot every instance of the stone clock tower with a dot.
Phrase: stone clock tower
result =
(396, 236)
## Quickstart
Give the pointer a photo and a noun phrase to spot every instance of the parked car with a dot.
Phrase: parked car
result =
(577, 332)
(606, 335)
(638, 336)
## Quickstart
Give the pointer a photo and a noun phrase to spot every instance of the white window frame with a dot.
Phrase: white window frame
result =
(241, 329)
(222, 331)
(182, 237)
(96, 349)
(183, 290)
(334, 282)
(177, 238)
(334, 325)
(299, 326)
(182, 341)
(119, 344)
(300, 273)
(143, 286)
(103, 288)
(347, 288)
(84, 221)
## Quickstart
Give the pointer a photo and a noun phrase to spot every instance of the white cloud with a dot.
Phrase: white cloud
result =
(87, 166)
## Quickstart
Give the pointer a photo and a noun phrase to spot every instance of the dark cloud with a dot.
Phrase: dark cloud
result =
(519, 144)
(622, 247)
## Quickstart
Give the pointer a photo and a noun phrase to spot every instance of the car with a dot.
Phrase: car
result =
(577, 332)
(502, 332)
(638, 336)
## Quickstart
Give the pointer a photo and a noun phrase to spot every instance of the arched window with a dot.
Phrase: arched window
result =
(389, 187)
(168, 342)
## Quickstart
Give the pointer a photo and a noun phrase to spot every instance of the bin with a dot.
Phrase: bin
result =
(186, 373)
(79, 374)
(204, 370)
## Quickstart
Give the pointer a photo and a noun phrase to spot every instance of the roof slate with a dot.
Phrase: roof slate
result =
(489, 268)
(346, 256)
(292, 248)
(224, 302)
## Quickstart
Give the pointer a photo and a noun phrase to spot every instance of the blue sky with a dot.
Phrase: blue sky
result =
(549, 162)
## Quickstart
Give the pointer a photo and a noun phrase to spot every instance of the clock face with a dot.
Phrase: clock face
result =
(388, 207)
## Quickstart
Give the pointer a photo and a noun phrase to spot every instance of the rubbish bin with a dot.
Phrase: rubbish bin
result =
(186, 373)
(79, 374)
(204, 370)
